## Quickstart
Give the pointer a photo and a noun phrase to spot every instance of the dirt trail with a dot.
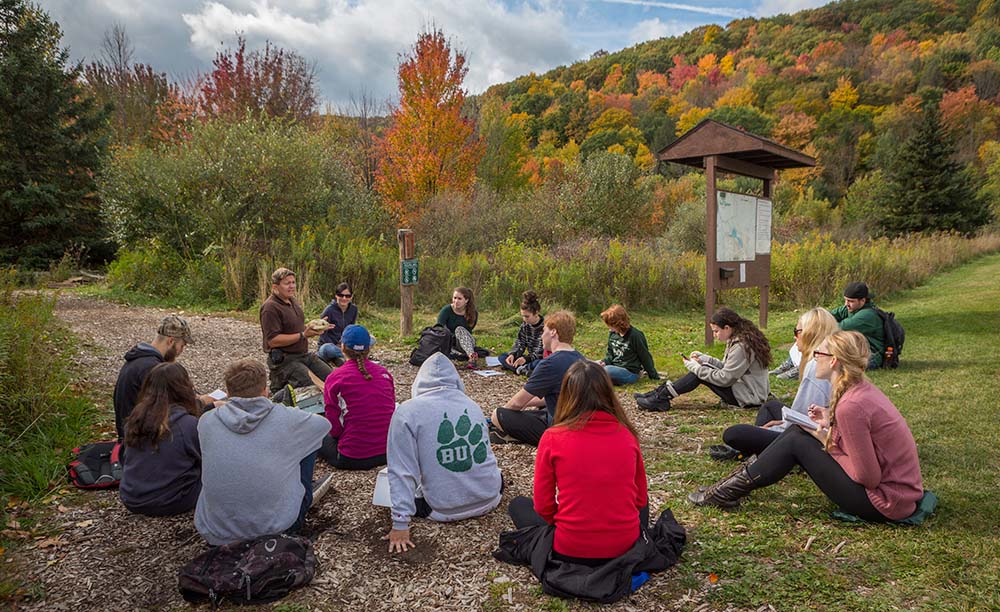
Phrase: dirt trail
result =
(451, 568)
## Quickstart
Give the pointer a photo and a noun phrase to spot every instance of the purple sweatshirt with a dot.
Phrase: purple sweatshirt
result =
(360, 410)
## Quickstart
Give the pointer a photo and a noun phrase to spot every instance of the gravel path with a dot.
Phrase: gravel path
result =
(451, 568)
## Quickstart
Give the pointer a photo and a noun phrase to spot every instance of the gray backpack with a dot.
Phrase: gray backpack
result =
(254, 571)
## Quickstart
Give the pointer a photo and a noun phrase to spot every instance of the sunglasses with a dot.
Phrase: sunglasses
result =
(821, 353)
(345, 295)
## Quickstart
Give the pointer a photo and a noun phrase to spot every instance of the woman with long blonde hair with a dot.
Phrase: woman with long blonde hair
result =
(862, 456)
(744, 440)
(591, 456)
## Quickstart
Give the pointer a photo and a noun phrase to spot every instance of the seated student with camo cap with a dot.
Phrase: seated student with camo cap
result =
(441, 465)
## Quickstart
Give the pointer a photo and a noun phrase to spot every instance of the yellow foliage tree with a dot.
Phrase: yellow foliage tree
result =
(691, 118)
(711, 32)
(845, 95)
(737, 96)
(728, 64)
(707, 63)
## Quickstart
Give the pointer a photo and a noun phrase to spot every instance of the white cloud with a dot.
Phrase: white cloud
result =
(651, 29)
(768, 8)
(356, 44)
(720, 11)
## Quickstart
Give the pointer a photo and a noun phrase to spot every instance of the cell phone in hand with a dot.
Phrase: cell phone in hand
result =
(683, 356)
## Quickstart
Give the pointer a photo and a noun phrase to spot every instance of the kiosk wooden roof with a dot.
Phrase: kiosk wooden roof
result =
(711, 137)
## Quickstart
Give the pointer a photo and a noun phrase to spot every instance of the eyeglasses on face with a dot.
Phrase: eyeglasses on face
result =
(345, 295)
(822, 354)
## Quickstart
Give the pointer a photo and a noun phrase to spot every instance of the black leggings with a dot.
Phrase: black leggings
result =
(689, 382)
(753, 439)
(522, 512)
(331, 455)
(796, 447)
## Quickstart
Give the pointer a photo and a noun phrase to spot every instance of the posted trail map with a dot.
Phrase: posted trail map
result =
(743, 227)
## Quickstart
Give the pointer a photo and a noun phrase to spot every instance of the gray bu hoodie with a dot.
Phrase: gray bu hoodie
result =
(438, 440)
(250, 478)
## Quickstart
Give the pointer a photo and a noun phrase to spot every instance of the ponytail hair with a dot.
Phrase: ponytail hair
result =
(529, 302)
(746, 333)
(851, 351)
(359, 358)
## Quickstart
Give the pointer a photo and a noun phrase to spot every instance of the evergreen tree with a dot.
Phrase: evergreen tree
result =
(50, 144)
(927, 189)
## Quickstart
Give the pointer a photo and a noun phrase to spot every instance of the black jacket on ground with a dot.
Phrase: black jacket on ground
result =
(139, 360)
(655, 550)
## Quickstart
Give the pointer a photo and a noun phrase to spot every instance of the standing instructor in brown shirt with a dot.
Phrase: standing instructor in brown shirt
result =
(286, 337)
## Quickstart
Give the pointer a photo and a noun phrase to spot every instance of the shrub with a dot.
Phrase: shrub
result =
(608, 198)
(43, 412)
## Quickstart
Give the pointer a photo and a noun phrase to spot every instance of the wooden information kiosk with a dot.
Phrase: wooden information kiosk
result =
(738, 238)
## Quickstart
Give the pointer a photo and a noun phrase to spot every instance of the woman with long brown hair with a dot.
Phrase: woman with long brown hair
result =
(740, 378)
(862, 456)
(162, 472)
(591, 456)
(460, 317)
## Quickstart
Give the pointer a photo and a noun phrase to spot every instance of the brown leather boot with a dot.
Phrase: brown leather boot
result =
(726, 493)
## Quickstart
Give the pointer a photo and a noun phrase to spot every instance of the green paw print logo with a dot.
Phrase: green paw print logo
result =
(461, 444)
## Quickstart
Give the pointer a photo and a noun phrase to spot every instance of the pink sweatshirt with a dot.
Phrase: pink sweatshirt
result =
(873, 444)
(359, 410)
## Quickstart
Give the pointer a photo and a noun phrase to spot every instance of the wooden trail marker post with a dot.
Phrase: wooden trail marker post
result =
(738, 226)
(409, 273)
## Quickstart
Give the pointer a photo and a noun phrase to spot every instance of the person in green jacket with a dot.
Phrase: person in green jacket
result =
(858, 314)
(628, 354)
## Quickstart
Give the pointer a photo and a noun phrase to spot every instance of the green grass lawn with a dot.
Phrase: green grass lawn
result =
(945, 388)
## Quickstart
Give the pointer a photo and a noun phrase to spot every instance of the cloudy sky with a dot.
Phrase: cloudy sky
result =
(355, 43)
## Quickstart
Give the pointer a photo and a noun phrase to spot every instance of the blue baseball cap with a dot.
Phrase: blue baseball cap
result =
(356, 338)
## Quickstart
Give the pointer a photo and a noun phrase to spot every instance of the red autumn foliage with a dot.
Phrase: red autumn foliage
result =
(430, 148)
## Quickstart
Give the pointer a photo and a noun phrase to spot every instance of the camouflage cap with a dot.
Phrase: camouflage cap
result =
(175, 327)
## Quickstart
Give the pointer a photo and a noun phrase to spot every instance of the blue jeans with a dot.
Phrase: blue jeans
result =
(329, 351)
(503, 363)
(621, 376)
(306, 467)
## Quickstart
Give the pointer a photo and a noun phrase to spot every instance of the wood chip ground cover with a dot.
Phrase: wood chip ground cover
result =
(98, 556)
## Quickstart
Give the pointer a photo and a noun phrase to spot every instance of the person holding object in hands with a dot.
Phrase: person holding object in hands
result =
(286, 336)
(813, 327)
(862, 454)
(740, 378)
(527, 351)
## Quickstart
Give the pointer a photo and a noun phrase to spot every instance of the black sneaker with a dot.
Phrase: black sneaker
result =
(724, 452)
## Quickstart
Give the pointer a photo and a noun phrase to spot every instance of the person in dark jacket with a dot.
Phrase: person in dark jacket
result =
(627, 354)
(340, 313)
(858, 314)
(162, 473)
(172, 337)
(527, 350)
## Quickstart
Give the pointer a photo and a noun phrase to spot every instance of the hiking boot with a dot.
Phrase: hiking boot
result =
(646, 394)
(658, 400)
(724, 452)
(522, 370)
(728, 492)
(320, 488)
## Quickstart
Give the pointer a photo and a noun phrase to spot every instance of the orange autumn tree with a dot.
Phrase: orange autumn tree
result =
(430, 147)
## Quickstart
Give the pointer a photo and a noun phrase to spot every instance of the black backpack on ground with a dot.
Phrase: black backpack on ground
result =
(254, 571)
(436, 339)
(97, 465)
(894, 335)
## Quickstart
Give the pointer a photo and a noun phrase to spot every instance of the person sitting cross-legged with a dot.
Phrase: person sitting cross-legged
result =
(440, 461)
(257, 461)
(530, 412)
(863, 456)
(627, 354)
